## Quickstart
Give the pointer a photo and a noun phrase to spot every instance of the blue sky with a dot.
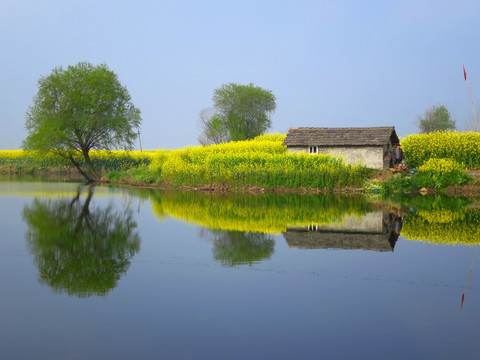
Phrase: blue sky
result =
(329, 63)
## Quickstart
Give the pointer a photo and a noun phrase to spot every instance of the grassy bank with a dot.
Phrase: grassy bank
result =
(264, 162)
(20, 161)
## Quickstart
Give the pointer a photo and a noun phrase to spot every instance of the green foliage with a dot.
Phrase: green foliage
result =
(81, 108)
(233, 248)
(435, 173)
(142, 175)
(437, 203)
(439, 173)
(114, 176)
(435, 119)
(80, 250)
(395, 184)
(241, 112)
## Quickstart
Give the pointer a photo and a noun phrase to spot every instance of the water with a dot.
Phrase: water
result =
(111, 273)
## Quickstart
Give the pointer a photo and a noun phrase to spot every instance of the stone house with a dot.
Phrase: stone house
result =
(371, 146)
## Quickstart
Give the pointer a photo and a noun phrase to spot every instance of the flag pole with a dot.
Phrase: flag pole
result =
(471, 99)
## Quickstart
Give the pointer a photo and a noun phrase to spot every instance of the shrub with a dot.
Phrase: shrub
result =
(438, 173)
(463, 147)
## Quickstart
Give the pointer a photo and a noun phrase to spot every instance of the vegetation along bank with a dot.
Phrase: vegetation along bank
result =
(437, 160)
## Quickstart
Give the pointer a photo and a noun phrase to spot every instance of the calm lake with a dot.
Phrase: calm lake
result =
(116, 273)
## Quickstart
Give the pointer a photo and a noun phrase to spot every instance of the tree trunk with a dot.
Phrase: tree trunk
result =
(86, 156)
(84, 217)
(77, 166)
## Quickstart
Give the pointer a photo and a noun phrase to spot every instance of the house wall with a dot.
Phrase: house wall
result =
(372, 222)
(297, 149)
(370, 156)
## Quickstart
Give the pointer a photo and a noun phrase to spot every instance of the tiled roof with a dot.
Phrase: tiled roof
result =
(305, 136)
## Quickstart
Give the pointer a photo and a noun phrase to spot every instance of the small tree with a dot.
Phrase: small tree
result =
(240, 112)
(213, 130)
(81, 108)
(435, 119)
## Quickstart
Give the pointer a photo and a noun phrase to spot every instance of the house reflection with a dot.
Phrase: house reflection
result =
(376, 231)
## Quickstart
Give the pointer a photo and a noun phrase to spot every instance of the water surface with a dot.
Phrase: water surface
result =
(110, 273)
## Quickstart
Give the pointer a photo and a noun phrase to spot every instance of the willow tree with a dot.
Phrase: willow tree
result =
(79, 109)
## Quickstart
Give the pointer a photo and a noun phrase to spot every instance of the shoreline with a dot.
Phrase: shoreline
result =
(470, 190)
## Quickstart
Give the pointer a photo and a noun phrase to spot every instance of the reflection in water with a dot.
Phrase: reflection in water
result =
(264, 213)
(79, 250)
(378, 230)
(237, 247)
(469, 276)
(241, 225)
(342, 222)
(442, 221)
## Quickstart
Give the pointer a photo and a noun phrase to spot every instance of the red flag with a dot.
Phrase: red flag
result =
(464, 73)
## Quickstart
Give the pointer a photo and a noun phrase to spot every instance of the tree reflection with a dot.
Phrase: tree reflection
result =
(79, 250)
(237, 247)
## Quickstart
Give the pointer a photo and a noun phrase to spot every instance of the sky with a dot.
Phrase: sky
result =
(333, 63)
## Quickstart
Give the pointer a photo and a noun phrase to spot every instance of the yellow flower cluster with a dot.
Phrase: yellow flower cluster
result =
(120, 159)
(462, 147)
(30, 158)
(115, 159)
(11, 155)
(262, 161)
(441, 166)
(441, 216)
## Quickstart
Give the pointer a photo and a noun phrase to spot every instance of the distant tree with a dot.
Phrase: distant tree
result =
(436, 118)
(81, 108)
(240, 112)
(213, 130)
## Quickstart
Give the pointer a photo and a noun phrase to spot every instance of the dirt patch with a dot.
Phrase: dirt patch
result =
(380, 175)
(470, 190)
(474, 174)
